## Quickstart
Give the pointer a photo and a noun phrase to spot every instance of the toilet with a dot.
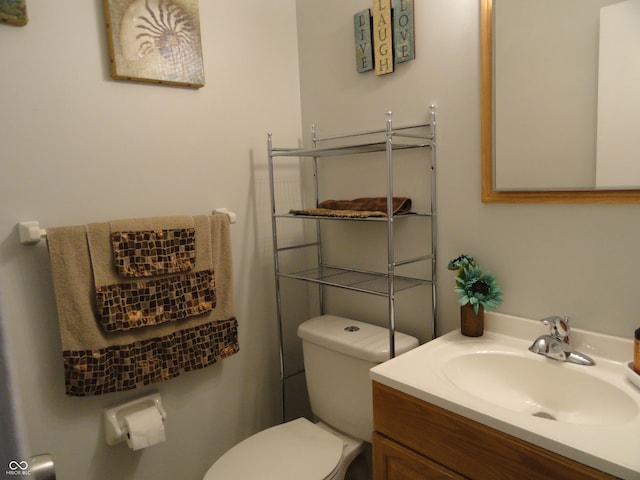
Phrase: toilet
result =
(338, 354)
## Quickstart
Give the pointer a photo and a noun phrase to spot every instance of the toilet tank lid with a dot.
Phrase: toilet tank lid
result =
(351, 337)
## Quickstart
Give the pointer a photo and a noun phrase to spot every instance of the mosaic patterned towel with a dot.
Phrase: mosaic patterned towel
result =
(124, 303)
(149, 253)
(125, 367)
(98, 362)
(123, 306)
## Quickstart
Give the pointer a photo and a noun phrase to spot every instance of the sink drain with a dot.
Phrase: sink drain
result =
(546, 415)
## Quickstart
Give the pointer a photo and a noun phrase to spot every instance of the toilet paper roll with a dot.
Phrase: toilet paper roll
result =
(145, 428)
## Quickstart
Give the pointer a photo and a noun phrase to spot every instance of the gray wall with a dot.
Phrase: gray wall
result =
(577, 260)
(79, 147)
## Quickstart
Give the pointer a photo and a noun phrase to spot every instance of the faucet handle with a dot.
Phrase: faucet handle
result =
(559, 327)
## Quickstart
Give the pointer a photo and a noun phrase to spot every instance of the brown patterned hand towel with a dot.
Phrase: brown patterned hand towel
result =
(96, 361)
(358, 207)
(369, 204)
(126, 303)
(117, 249)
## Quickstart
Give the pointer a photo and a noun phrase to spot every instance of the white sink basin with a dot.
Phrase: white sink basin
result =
(590, 414)
(540, 388)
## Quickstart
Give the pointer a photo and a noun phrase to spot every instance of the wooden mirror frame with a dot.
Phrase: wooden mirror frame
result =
(489, 194)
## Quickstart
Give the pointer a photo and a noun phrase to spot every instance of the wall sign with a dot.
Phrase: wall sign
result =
(384, 35)
(403, 31)
(362, 34)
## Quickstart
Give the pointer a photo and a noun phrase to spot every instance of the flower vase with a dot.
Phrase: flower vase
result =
(471, 323)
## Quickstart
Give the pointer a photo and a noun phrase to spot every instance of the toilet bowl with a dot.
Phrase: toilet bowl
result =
(338, 354)
(296, 450)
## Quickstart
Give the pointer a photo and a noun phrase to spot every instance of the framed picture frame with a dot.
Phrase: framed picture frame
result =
(155, 41)
(13, 12)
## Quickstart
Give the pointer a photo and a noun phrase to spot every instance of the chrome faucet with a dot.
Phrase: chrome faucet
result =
(557, 344)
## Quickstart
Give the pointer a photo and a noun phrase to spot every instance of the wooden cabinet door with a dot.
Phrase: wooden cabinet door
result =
(474, 450)
(392, 461)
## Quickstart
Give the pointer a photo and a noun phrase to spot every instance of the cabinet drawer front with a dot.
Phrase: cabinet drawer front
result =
(392, 461)
(471, 449)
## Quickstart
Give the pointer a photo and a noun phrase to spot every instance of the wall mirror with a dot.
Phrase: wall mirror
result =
(560, 100)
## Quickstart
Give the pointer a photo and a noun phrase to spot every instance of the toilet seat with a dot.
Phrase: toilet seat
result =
(291, 451)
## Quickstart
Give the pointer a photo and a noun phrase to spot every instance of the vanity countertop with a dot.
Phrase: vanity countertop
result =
(589, 414)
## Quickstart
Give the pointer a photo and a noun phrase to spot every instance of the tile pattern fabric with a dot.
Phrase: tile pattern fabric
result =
(153, 252)
(125, 367)
(124, 306)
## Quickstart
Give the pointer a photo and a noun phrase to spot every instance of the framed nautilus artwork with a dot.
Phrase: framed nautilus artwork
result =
(13, 12)
(155, 41)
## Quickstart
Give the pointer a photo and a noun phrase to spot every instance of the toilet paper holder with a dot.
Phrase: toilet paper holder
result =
(114, 418)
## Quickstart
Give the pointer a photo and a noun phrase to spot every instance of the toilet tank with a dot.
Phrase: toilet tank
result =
(338, 354)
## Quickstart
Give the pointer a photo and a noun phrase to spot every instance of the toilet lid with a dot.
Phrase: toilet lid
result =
(292, 451)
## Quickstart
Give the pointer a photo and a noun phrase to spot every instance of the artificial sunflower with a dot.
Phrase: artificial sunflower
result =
(478, 288)
(460, 262)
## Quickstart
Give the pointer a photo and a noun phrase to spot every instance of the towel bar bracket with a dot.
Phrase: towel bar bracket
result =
(30, 232)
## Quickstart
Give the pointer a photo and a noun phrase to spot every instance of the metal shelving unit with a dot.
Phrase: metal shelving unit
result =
(386, 284)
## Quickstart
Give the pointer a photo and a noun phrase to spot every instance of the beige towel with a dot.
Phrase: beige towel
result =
(97, 362)
(332, 212)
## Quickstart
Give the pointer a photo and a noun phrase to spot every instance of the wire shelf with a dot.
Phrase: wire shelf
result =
(366, 282)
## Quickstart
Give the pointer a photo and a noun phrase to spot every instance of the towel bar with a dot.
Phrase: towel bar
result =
(30, 232)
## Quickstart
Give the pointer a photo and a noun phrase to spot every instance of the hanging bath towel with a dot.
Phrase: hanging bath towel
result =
(97, 360)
